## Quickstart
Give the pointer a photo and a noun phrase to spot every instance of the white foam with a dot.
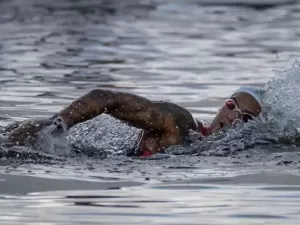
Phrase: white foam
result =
(103, 135)
(281, 103)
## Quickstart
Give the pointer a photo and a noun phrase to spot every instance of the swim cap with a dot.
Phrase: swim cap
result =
(253, 91)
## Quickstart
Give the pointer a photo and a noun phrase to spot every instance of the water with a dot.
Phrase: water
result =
(193, 53)
(210, 201)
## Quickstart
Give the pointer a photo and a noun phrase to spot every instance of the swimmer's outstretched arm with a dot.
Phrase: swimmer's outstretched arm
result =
(133, 109)
(162, 117)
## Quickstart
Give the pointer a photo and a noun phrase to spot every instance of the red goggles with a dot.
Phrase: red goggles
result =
(232, 105)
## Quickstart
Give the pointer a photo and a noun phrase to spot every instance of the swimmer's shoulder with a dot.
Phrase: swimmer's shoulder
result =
(182, 117)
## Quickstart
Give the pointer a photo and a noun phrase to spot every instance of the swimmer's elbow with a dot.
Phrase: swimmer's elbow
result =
(100, 93)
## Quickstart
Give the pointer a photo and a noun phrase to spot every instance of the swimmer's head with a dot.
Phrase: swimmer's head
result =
(243, 105)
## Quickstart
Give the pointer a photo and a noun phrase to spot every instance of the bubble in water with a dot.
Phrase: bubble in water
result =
(49, 142)
(103, 135)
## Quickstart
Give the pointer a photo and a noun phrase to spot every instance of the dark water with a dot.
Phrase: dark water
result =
(54, 51)
(194, 53)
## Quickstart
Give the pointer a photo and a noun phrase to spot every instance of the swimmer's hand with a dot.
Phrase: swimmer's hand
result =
(28, 131)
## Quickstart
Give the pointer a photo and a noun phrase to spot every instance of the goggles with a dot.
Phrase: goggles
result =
(232, 105)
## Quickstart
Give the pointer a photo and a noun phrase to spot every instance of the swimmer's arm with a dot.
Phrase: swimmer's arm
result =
(135, 110)
(139, 112)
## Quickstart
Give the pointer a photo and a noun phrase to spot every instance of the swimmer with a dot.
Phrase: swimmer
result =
(163, 124)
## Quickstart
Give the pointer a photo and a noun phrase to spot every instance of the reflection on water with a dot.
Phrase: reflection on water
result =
(167, 204)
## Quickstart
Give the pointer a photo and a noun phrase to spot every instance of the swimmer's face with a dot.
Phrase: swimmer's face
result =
(241, 108)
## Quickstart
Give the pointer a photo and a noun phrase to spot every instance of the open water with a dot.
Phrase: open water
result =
(194, 53)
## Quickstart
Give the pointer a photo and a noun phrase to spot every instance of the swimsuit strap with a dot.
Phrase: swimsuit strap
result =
(204, 131)
(202, 128)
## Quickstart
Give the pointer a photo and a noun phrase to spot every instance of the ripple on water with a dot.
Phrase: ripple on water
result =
(54, 51)
(228, 204)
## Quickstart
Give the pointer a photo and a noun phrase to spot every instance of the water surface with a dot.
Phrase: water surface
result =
(192, 53)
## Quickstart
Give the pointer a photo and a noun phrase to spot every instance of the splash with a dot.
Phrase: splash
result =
(53, 144)
(282, 101)
(103, 135)
(279, 121)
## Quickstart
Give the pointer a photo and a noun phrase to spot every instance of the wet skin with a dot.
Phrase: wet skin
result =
(163, 124)
(225, 117)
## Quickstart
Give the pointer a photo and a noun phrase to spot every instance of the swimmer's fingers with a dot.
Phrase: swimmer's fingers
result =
(58, 126)
(27, 131)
